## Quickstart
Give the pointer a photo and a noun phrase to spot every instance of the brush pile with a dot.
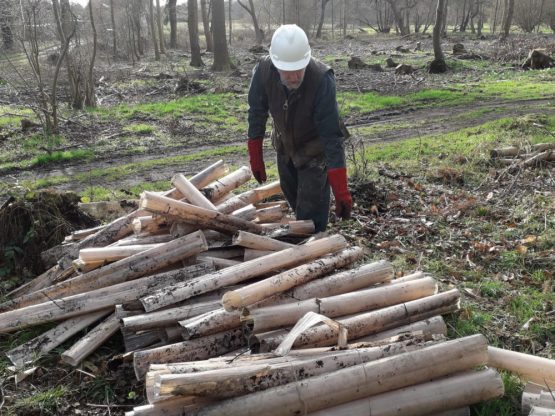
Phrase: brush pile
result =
(205, 286)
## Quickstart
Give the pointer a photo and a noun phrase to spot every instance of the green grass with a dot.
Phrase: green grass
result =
(11, 116)
(45, 402)
(140, 128)
(65, 156)
(508, 405)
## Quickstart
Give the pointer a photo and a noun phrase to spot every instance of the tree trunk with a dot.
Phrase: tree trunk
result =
(399, 18)
(160, 27)
(173, 23)
(114, 31)
(322, 15)
(206, 26)
(6, 22)
(192, 22)
(153, 29)
(438, 65)
(259, 34)
(90, 95)
(230, 21)
(221, 54)
(137, 11)
(510, 6)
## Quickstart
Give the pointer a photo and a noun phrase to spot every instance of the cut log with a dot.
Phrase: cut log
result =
(528, 367)
(259, 242)
(202, 179)
(273, 317)
(219, 263)
(370, 322)
(168, 317)
(241, 272)
(191, 193)
(258, 291)
(251, 254)
(171, 407)
(151, 338)
(126, 269)
(428, 327)
(149, 239)
(541, 411)
(293, 228)
(428, 398)
(50, 277)
(233, 381)
(150, 225)
(357, 382)
(247, 213)
(250, 197)
(110, 254)
(94, 300)
(81, 266)
(216, 190)
(198, 349)
(282, 204)
(513, 151)
(192, 214)
(92, 341)
(209, 323)
(541, 398)
(223, 253)
(35, 348)
(270, 214)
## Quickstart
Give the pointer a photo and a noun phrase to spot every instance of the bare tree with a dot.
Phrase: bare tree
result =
(6, 21)
(137, 12)
(382, 21)
(401, 12)
(221, 54)
(230, 20)
(160, 28)
(508, 17)
(90, 97)
(528, 14)
(113, 20)
(323, 4)
(173, 23)
(206, 25)
(192, 21)
(495, 14)
(259, 34)
(438, 64)
(153, 30)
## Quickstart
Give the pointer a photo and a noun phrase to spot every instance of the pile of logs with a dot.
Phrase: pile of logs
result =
(229, 306)
(522, 157)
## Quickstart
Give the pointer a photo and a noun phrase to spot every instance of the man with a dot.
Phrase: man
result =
(299, 92)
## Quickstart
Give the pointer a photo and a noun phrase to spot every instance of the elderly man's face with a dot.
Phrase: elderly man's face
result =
(292, 79)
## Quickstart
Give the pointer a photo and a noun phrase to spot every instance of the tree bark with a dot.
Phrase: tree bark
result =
(206, 26)
(114, 31)
(528, 367)
(259, 34)
(153, 29)
(192, 22)
(90, 95)
(173, 23)
(323, 4)
(160, 27)
(221, 54)
(190, 191)
(250, 197)
(438, 65)
(508, 18)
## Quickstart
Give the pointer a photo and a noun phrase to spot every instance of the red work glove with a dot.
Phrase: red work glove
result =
(256, 159)
(343, 202)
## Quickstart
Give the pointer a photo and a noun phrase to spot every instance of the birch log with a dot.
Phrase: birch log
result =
(250, 197)
(209, 323)
(219, 188)
(371, 322)
(192, 214)
(35, 348)
(428, 398)
(539, 370)
(191, 193)
(93, 300)
(150, 225)
(357, 382)
(427, 327)
(50, 277)
(197, 349)
(273, 317)
(110, 254)
(251, 254)
(258, 291)
(148, 239)
(126, 269)
(247, 213)
(259, 242)
(203, 178)
(298, 228)
(270, 214)
(233, 381)
(92, 341)
(241, 272)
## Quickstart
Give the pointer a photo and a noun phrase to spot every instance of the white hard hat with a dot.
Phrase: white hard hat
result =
(289, 50)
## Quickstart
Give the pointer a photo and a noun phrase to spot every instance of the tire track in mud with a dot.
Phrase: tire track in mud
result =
(410, 123)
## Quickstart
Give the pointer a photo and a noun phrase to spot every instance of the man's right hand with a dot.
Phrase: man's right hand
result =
(256, 159)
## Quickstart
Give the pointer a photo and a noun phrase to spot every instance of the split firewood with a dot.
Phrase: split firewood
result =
(273, 317)
(368, 323)
(126, 269)
(442, 395)
(81, 303)
(241, 272)
(528, 367)
(250, 197)
(359, 381)
(216, 190)
(266, 288)
(191, 193)
(37, 347)
(202, 179)
(192, 214)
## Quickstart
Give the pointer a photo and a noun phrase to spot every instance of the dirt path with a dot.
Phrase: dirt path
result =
(410, 123)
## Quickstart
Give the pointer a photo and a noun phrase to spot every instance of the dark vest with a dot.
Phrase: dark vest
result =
(294, 133)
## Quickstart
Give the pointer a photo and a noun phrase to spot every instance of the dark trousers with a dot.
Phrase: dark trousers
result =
(306, 189)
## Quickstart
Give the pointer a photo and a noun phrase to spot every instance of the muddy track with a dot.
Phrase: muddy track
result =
(411, 123)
